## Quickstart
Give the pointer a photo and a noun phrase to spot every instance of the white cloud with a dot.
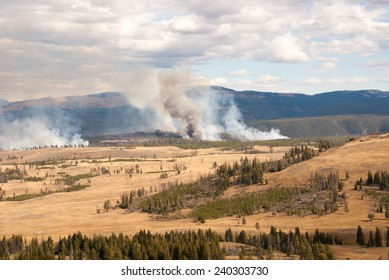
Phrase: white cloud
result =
(269, 82)
(314, 81)
(352, 80)
(239, 73)
(287, 48)
(268, 79)
(57, 46)
(245, 83)
(217, 81)
(328, 66)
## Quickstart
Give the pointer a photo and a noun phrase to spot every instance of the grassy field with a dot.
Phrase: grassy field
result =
(62, 213)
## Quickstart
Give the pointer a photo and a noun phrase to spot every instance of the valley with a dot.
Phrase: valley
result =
(109, 172)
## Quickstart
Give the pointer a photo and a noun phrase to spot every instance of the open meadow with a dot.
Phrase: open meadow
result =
(60, 191)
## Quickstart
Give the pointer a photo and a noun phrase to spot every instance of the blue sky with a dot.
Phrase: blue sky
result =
(58, 48)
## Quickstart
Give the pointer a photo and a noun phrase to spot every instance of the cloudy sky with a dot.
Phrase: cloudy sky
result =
(64, 47)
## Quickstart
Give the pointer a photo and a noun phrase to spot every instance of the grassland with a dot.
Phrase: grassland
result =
(63, 213)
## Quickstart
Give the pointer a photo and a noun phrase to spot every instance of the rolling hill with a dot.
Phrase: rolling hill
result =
(296, 115)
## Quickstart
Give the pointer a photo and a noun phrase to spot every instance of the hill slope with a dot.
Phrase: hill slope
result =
(268, 105)
(296, 115)
(326, 126)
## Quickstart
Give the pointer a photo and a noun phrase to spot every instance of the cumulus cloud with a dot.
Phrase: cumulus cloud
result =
(72, 47)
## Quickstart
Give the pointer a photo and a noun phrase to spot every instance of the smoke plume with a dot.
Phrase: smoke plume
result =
(39, 130)
(193, 111)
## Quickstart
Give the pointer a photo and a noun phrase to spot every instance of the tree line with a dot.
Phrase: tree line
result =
(374, 239)
(380, 179)
(292, 243)
(194, 245)
(191, 245)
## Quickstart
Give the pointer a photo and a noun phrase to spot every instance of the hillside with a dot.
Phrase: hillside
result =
(3, 103)
(270, 105)
(296, 115)
(326, 126)
(82, 209)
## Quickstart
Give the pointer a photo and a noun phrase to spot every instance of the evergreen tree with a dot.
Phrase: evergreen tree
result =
(242, 237)
(378, 238)
(371, 241)
(229, 236)
(369, 180)
(360, 237)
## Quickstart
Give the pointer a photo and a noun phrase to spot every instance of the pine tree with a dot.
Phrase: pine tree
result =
(369, 180)
(360, 237)
(229, 236)
(378, 238)
(371, 242)
(242, 237)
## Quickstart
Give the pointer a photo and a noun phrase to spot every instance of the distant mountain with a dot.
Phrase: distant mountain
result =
(256, 105)
(3, 103)
(100, 100)
(296, 115)
(326, 126)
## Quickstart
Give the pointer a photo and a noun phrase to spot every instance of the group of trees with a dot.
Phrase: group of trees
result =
(246, 204)
(15, 173)
(320, 197)
(330, 182)
(174, 196)
(194, 245)
(374, 240)
(380, 178)
(330, 185)
(249, 172)
(305, 246)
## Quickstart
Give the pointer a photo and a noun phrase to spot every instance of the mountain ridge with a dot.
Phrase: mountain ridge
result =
(112, 112)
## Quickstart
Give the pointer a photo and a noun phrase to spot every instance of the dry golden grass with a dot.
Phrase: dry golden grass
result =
(60, 214)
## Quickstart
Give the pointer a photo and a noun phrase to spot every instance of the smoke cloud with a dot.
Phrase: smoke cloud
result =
(180, 105)
(39, 130)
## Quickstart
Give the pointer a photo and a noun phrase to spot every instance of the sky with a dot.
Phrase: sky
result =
(60, 48)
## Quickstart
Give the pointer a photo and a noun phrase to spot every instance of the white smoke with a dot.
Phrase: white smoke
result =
(197, 112)
(38, 131)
